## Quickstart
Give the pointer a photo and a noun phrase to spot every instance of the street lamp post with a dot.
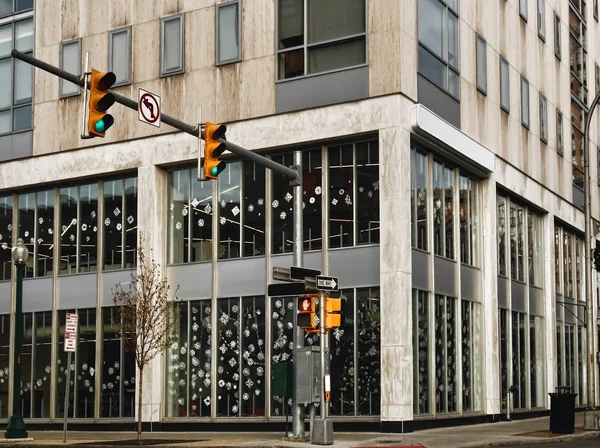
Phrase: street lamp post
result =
(16, 427)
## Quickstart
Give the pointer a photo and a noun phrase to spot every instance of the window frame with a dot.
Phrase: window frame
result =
(559, 133)
(480, 40)
(305, 46)
(543, 118)
(15, 11)
(523, 9)
(526, 124)
(505, 108)
(557, 37)
(181, 69)
(219, 7)
(61, 82)
(129, 79)
(541, 19)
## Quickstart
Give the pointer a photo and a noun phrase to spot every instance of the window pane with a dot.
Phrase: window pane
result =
(26, 225)
(119, 63)
(22, 118)
(131, 223)
(282, 209)
(481, 64)
(523, 8)
(45, 232)
(229, 211)
(312, 216)
(421, 352)
(291, 64)
(172, 46)
(449, 211)
(368, 351)
(229, 39)
(71, 63)
(23, 82)
(282, 345)
(253, 231)
(113, 224)
(541, 18)
(68, 225)
(431, 25)
(4, 121)
(201, 225)
(331, 57)
(6, 7)
(291, 23)
(543, 119)
(24, 35)
(502, 237)
(341, 210)
(438, 208)
(42, 365)
(6, 85)
(23, 4)
(367, 196)
(453, 40)
(434, 69)
(333, 19)
(26, 363)
(6, 44)
(88, 235)
(504, 85)
(343, 373)
(465, 220)
(86, 364)
(6, 210)
(525, 102)
(5, 349)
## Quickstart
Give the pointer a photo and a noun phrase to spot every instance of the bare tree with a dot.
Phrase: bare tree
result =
(145, 315)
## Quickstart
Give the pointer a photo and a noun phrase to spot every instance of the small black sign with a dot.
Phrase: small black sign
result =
(286, 289)
(326, 283)
(298, 273)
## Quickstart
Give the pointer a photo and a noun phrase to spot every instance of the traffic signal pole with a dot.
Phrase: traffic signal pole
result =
(294, 173)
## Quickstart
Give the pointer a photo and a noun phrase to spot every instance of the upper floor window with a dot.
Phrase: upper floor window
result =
(524, 102)
(316, 36)
(557, 50)
(559, 132)
(504, 85)
(578, 54)
(229, 32)
(438, 43)
(70, 61)
(523, 9)
(543, 119)
(468, 214)
(481, 68)
(172, 45)
(6, 227)
(8, 7)
(119, 55)
(16, 76)
(541, 16)
(419, 181)
(443, 210)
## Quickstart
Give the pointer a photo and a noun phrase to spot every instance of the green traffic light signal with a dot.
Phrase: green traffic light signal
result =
(99, 126)
(214, 171)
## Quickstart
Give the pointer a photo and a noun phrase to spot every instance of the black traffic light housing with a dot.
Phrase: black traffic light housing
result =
(307, 312)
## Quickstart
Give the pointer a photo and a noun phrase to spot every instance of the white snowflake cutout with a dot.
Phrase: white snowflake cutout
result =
(200, 222)
(376, 186)
(172, 206)
(50, 232)
(311, 200)
(130, 219)
(223, 220)
(260, 201)
(87, 239)
(26, 233)
(334, 201)
(41, 220)
(245, 396)
(361, 189)
(208, 208)
(222, 203)
(234, 409)
(318, 190)
(341, 192)
(178, 225)
(116, 211)
(370, 193)
(72, 237)
(4, 246)
(84, 227)
(93, 214)
(40, 240)
(195, 202)
(232, 362)
(348, 200)
(235, 211)
(283, 215)
(250, 208)
(106, 222)
(288, 197)
(207, 401)
(9, 227)
(184, 212)
(119, 227)
(275, 203)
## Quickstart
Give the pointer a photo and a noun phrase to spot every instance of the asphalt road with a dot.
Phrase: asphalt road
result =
(593, 443)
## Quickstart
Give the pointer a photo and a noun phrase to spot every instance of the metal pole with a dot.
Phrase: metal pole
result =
(67, 390)
(16, 427)
(84, 110)
(591, 388)
(298, 409)
(322, 343)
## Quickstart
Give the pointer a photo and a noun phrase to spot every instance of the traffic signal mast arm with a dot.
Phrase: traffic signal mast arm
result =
(294, 175)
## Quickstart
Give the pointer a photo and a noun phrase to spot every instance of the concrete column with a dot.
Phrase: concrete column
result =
(395, 278)
(489, 266)
(550, 303)
(152, 202)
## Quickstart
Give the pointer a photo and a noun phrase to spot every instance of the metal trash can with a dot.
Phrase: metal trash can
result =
(562, 410)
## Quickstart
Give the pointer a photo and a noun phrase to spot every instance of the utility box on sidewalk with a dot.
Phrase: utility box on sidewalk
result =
(562, 410)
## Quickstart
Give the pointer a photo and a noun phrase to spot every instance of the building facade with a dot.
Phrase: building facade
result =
(456, 110)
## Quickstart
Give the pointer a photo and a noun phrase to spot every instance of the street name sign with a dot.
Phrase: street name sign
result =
(299, 273)
(287, 289)
(326, 283)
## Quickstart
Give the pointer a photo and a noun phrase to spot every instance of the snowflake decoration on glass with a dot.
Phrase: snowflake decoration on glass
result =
(206, 381)
(275, 203)
(251, 348)
(370, 193)
(110, 386)
(334, 201)
(40, 240)
(341, 192)
(206, 352)
(260, 201)
(207, 401)
(200, 222)
(290, 305)
(232, 362)
(94, 229)
(195, 361)
(92, 370)
(275, 315)
(290, 325)
(183, 350)
(84, 227)
(119, 227)
(116, 211)
(246, 332)
(250, 208)
(348, 200)
(338, 333)
(195, 202)
(235, 211)
(223, 204)
(312, 200)
(260, 356)
(178, 225)
(234, 409)
(106, 223)
(234, 309)
(195, 326)
(245, 396)
(26, 233)
(224, 318)
(223, 348)
(288, 197)
(72, 237)
(4, 246)
(184, 212)
(376, 185)
(232, 344)
(182, 382)
(181, 401)
(221, 383)
(93, 214)
(283, 215)
(223, 220)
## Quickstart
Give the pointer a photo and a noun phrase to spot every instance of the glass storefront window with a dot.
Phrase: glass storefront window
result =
(503, 356)
(368, 323)
(367, 193)
(282, 344)
(5, 350)
(341, 195)
(26, 229)
(343, 361)
(69, 197)
(253, 231)
(419, 182)
(6, 212)
(502, 269)
(230, 213)
(471, 356)
(421, 352)
(445, 354)
(112, 224)
(87, 236)
(26, 365)
(468, 221)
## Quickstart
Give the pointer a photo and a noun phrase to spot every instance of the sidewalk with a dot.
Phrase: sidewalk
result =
(531, 431)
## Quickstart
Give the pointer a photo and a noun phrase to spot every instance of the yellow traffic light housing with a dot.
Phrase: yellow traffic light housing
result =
(332, 309)
(307, 309)
(213, 148)
(100, 100)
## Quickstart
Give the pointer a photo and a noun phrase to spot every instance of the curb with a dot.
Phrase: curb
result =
(535, 441)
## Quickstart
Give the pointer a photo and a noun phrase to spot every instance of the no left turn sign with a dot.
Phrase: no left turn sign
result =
(149, 107)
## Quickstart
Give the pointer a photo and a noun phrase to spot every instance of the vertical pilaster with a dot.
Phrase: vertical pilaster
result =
(395, 277)
(489, 264)
(549, 303)
(152, 194)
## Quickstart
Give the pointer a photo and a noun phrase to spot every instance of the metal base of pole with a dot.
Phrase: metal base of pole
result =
(322, 432)
(591, 420)
(15, 428)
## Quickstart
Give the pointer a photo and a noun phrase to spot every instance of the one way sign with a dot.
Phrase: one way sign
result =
(325, 283)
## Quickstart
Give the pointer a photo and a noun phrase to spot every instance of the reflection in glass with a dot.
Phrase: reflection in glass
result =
(282, 208)
(312, 199)
(230, 213)
(88, 235)
(27, 226)
(45, 232)
(201, 225)
(6, 210)
(503, 356)
(438, 208)
(421, 352)
(112, 224)
(130, 222)
(178, 222)
(69, 197)
(27, 365)
(282, 344)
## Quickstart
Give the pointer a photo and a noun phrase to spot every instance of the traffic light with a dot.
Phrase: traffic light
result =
(307, 309)
(213, 148)
(332, 309)
(100, 100)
